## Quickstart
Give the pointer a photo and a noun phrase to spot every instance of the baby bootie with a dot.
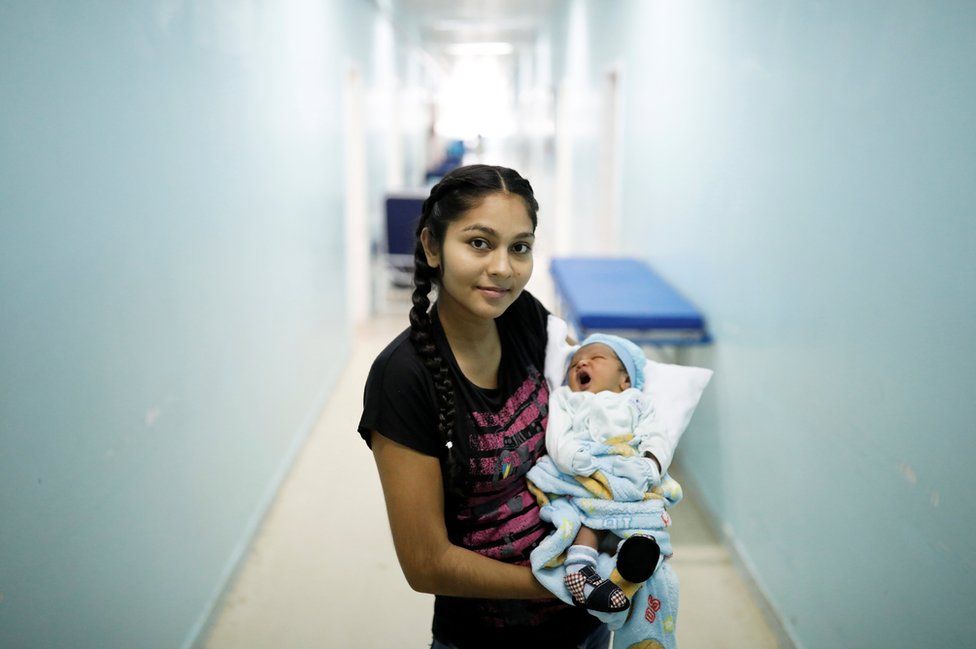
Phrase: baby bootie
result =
(637, 558)
(605, 596)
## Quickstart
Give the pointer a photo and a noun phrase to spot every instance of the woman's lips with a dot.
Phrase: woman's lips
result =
(493, 293)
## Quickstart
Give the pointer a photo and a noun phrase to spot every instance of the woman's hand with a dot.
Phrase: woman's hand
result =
(414, 492)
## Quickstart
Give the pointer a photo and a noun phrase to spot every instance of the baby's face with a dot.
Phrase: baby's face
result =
(596, 368)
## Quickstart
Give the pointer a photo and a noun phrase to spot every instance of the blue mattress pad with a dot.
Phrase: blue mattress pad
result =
(621, 293)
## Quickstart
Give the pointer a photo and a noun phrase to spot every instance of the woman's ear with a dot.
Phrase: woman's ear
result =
(431, 252)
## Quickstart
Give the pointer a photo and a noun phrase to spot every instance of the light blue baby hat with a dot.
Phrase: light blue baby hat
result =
(629, 354)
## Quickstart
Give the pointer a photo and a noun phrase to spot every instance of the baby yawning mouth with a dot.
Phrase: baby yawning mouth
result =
(583, 378)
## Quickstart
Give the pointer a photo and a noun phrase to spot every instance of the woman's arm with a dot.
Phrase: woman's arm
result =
(431, 563)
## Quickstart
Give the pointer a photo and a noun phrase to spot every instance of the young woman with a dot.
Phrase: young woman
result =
(455, 410)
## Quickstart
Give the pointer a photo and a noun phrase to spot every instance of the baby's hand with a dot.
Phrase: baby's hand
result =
(654, 470)
(583, 463)
(641, 472)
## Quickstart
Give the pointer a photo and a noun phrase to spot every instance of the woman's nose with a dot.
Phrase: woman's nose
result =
(500, 264)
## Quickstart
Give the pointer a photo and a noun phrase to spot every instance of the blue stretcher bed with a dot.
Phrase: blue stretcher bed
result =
(624, 296)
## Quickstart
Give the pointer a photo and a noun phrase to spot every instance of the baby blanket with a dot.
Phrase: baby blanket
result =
(568, 502)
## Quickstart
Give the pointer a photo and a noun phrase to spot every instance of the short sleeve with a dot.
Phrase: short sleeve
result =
(399, 403)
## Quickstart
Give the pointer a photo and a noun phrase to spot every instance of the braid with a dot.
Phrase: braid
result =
(459, 191)
(422, 337)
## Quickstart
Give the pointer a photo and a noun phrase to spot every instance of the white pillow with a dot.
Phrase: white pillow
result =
(674, 389)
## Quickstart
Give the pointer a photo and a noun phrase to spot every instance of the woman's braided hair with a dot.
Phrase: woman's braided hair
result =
(460, 190)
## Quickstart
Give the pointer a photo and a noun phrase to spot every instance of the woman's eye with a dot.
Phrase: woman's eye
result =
(480, 244)
(522, 248)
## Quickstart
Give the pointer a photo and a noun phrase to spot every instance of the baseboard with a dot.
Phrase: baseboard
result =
(743, 566)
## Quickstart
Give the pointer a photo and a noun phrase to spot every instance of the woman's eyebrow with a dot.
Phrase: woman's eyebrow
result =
(493, 232)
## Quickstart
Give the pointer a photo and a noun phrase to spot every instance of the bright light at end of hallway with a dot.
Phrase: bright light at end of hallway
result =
(477, 98)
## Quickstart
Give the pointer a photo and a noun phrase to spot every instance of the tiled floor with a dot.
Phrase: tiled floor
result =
(322, 572)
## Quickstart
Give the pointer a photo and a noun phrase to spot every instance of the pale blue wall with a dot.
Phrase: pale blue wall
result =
(804, 171)
(172, 307)
(586, 46)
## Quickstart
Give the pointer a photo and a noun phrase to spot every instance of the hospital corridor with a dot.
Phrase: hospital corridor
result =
(208, 234)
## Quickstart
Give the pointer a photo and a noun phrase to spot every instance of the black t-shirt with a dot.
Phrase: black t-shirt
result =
(500, 433)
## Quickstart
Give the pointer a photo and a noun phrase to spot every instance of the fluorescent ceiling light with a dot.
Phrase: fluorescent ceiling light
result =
(480, 49)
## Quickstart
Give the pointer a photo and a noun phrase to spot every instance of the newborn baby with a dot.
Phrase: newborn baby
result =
(603, 404)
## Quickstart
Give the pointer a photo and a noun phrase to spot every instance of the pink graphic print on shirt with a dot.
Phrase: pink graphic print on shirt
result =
(501, 519)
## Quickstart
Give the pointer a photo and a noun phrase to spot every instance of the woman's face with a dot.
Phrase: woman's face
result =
(486, 258)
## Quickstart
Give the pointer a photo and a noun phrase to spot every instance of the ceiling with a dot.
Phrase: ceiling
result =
(438, 23)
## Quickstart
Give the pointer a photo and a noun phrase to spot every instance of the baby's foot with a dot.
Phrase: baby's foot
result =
(637, 558)
(591, 591)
